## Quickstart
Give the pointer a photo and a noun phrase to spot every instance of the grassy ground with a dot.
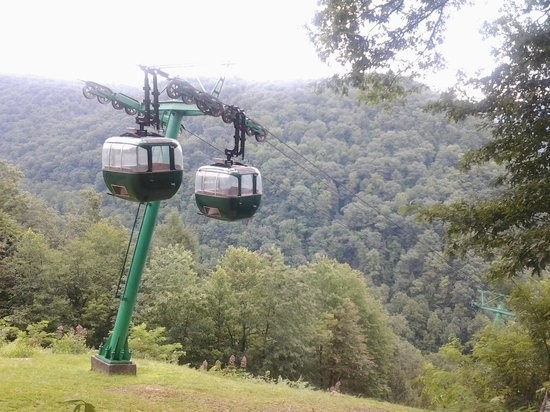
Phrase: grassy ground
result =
(46, 382)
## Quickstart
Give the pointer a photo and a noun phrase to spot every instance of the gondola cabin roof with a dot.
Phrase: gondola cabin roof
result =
(235, 169)
(142, 141)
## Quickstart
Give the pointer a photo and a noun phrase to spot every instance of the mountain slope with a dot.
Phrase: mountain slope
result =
(58, 382)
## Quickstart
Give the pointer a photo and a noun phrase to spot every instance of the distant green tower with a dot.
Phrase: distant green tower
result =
(494, 303)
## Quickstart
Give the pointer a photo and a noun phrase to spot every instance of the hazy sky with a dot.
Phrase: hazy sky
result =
(105, 41)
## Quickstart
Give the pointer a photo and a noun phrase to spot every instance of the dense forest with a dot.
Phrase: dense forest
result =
(335, 279)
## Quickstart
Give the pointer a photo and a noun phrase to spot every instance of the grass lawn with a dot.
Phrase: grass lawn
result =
(46, 382)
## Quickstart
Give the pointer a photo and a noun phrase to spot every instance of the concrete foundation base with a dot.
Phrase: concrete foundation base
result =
(100, 365)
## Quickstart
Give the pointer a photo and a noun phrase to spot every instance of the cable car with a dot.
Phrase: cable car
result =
(228, 192)
(142, 169)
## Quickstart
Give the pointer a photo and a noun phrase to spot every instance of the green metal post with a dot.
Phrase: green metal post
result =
(115, 349)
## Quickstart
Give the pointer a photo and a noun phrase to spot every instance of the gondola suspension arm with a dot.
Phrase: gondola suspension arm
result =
(239, 123)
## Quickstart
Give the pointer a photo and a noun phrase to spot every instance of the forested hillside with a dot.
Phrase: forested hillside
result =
(334, 271)
(341, 180)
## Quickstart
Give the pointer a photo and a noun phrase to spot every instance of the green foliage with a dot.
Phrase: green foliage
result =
(32, 273)
(255, 305)
(502, 371)
(454, 381)
(344, 356)
(26, 343)
(171, 296)
(346, 310)
(10, 231)
(530, 302)
(19, 348)
(267, 297)
(37, 335)
(256, 309)
(72, 341)
(151, 344)
(511, 227)
(171, 231)
(29, 342)
(515, 364)
(80, 405)
(8, 332)
(82, 211)
(19, 206)
(406, 367)
(91, 267)
(373, 41)
(10, 178)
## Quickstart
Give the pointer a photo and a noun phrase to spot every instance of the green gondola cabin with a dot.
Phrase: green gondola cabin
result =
(142, 169)
(228, 192)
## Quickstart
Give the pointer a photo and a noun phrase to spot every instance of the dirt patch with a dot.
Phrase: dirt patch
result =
(148, 391)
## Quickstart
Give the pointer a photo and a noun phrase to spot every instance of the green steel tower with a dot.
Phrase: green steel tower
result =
(114, 355)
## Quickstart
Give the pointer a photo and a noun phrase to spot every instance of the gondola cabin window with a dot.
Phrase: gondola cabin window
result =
(228, 182)
(131, 155)
(125, 157)
(217, 184)
(160, 158)
(250, 184)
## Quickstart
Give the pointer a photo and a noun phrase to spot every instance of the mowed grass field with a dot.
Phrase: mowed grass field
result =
(46, 382)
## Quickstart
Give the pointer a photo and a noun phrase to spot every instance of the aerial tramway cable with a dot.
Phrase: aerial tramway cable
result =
(363, 203)
(323, 172)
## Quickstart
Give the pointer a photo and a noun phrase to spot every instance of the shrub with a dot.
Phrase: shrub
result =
(8, 332)
(28, 342)
(71, 342)
(150, 344)
(19, 348)
(36, 335)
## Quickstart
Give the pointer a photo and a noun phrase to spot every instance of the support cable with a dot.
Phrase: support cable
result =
(364, 204)
(127, 252)
(350, 193)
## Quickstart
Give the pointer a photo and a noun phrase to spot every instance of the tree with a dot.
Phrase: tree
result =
(286, 318)
(334, 284)
(377, 39)
(11, 199)
(83, 211)
(172, 296)
(24, 208)
(151, 344)
(172, 231)
(263, 309)
(92, 265)
(454, 380)
(406, 367)
(344, 356)
(503, 367)
(513, 363)
(512, 227)
(530, 302)
(10, 232)
(32, 282)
